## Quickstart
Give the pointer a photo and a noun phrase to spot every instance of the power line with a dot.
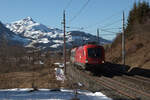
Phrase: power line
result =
(113, 28)
(105, 19)
(105, 29)
(71, 27)
(68, 4)
(109, 31)
(112, 23)
(108, 34)
(108, 18)
(75, 16)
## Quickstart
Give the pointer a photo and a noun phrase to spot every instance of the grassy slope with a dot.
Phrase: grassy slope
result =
(137, 48)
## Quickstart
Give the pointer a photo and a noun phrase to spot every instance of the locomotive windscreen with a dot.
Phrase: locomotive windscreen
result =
(94, 52)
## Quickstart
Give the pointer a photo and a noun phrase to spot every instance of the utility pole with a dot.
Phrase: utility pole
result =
(64, 51)
(98, 35)
(123, 40)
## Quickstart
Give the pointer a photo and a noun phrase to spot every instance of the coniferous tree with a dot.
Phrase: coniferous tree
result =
(138, 15)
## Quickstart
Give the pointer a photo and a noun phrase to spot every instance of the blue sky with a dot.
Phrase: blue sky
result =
(96, 14)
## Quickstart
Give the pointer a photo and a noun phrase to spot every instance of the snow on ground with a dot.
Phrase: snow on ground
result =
(59, 72)
(43, 40)
(55, 45)
(58, 41)
(46, 94)
(39, 62)
(61, 65)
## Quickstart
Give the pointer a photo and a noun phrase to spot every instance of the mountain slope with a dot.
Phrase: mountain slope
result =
(11, 37)
(137, 48)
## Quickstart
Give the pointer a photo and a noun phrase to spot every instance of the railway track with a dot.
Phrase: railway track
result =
(115, 83)
(110, 84)
(128, 89)
(139, 79)
(139, 82)
(142, 78)
(133, 82)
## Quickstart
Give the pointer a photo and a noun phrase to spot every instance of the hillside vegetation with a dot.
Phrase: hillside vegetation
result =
(137, 33)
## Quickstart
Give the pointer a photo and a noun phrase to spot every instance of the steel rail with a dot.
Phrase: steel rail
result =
(137, 79)
(139, 91)
(143, 78)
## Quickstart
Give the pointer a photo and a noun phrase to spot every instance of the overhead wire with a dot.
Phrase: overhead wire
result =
(113, 28)
(79, 12)
(108, 34)
(112, 23)
(72, 27)
(105, 19)
(68, 4)
(105, 29)
(109, 31)
(108, 18)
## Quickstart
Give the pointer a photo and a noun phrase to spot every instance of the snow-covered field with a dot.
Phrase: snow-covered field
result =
(46, 94)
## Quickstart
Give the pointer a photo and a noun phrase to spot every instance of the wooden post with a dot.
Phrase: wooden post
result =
(123, 41)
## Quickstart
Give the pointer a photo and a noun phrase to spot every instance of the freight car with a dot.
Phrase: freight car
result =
(88, 55)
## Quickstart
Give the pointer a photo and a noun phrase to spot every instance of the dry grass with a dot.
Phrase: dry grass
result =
(42, 78)
(137, 48)
(29, 75)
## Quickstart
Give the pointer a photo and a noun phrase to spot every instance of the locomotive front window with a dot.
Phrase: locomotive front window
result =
(94, 52)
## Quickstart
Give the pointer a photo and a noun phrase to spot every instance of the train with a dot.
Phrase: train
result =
(88, 55)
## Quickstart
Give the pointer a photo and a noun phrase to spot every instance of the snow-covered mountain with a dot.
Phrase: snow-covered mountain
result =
(10, 37)
(43, 37)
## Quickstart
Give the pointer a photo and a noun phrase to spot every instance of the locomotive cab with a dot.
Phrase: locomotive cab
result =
(95, 55)
(88, 55)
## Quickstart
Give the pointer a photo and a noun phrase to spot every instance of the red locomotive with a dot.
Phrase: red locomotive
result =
(89, 54)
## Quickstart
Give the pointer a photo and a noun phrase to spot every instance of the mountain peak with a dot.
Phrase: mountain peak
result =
(28, 19)
(25, 21)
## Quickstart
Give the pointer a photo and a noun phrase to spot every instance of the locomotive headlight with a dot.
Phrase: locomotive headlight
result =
(103, 61)
(86, 61)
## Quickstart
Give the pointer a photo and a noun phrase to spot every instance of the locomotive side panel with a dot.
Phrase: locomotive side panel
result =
(79, 57)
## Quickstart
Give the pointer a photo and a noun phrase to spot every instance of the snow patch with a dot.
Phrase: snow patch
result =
(55, 45)
(44, 40)
(61, 65)
(59, 72)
